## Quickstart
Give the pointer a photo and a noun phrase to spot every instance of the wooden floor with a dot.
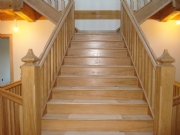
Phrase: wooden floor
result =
(97, 91)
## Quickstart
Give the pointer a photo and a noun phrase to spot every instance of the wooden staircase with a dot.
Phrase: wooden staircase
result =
(97, 91)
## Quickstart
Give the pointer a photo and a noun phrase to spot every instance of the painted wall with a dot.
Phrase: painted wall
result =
(164, 35)
(30, 36)
(5, 61)
(97, 5)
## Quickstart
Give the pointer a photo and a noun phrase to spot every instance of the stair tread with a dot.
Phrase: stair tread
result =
(77, 40)
(124, 57)
(77, 48)
(59, 101)
(97, 117)
(95, 88)
(99, 76)
(49, 132)
(99, 66)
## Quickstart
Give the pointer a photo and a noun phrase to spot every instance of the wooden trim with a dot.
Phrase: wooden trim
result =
(11, 96)
(11, 54)
(97, 14)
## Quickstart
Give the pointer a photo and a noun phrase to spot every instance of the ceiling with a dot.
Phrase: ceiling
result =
(27, 13)
(24, 13)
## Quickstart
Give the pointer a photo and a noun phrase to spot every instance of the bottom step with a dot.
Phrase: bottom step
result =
(45, 132)
(89, 122)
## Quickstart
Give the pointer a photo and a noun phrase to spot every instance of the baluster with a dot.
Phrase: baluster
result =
(132, 5)
(49, 2)
(62, 5)
(138, 4)
(145, 2)
(56, 4)
(31, 95)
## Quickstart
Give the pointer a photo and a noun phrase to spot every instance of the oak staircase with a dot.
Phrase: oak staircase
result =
(97, 91)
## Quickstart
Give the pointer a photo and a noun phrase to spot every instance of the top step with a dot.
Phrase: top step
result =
(97, 37)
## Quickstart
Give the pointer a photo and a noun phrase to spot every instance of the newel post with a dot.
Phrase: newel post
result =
(165, 75)
(31, 96)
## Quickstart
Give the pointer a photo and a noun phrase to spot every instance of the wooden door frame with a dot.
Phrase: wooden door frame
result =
(9, 36)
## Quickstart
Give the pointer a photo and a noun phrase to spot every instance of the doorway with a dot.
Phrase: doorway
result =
(6, 59)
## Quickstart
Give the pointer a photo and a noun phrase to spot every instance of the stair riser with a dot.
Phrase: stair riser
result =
(97, 71)
(97, 52)
(97, 61)
(98, 95)
(116, 37)
(98, 125)
(86, 44)
(96, 108)
(82, 81)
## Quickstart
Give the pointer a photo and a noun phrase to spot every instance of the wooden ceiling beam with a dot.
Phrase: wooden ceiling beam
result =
(97, 14)
(27, 13)
(8, 12)
(167, 13)
(6, 5)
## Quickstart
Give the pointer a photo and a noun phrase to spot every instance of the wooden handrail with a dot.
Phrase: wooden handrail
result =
(42, 75)
(11, 108)
(11, 96)
(54, 34)
(11, 85)
(141, 36)
(156, 75)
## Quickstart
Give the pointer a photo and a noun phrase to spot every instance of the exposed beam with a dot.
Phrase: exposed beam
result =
(6, 5)
(17, 4)
(7, 17)
(170, 16)
(97, 14)
(167, 13)
(176, 4)
(27, 13)
(150, 9)
(8, 12)
(44, 9)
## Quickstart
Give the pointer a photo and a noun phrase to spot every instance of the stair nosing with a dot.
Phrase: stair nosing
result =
(98, 102)
(147, 117)
(74, 40)
(123, 57)
(100, 76)
(124, 49)
(99, 66)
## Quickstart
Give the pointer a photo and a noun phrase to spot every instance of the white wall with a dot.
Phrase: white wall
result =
(164, 35)
(97, 5)
(30, 36)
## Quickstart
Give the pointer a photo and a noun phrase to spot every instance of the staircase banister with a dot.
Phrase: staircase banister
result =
(141, 35)
(11, 96)
(11, 85)
(54, 34)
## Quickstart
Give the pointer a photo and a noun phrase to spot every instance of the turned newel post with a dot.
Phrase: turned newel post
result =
(165, 75)
(31, 96)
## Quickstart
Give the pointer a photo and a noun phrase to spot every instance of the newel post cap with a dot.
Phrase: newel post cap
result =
(165, 58)
(30, 58)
